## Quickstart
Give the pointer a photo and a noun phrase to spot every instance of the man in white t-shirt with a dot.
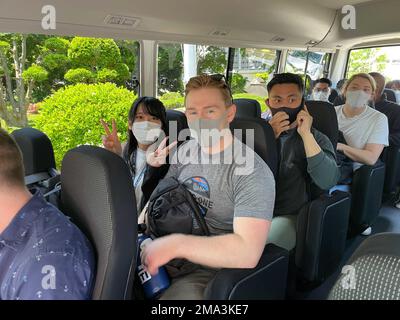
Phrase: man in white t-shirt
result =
(364, 129)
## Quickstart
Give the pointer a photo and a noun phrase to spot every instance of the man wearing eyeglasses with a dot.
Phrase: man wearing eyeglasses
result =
(237, 204)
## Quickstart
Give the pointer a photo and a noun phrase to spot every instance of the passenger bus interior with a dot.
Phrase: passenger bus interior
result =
(153, 48)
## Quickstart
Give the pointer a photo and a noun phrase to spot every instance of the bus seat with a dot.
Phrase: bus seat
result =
(264, 139)
(268, 279)
(37, 151)
(390, 95)
(97, 193)
(391, 157)
(39, 162)
(324, 119)
(247, 108)
(321, 236)
(372, 272)
(179, 117)
(366, 193)
(334, 94)
(323, 223)
(178, 126)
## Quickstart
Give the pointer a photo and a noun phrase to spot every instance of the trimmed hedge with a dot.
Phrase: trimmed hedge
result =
(71, 116)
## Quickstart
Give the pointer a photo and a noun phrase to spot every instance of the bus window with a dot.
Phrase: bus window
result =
(384, 60)
(63, 85)
(296, 63)
(177, 63)
(252, 69)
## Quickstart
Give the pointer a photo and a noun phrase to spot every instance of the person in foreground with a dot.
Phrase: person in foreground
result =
(42, 254)
(237, 204)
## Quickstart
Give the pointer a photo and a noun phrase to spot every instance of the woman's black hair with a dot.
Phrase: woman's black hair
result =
(152, 106)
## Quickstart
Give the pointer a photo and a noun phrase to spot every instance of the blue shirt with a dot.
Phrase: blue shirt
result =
(44, 256)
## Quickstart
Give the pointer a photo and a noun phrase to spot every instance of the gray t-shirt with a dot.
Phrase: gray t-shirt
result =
(233, 183)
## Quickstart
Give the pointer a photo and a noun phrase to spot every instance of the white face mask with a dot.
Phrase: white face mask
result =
(146, 132)
(321, 95)
(357, 98)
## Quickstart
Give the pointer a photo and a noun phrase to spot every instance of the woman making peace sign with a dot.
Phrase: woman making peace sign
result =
(147, 123)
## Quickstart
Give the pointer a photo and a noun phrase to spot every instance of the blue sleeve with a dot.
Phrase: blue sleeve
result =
(54, 276)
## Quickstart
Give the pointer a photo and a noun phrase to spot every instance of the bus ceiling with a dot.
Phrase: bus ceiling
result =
(252, 23)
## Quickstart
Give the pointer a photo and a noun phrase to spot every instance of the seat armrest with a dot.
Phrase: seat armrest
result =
(266, 281)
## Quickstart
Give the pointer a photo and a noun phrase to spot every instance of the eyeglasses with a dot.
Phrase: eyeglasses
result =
(221, 78)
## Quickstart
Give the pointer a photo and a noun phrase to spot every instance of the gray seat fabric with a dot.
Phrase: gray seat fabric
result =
(97, 193)
(373, 272)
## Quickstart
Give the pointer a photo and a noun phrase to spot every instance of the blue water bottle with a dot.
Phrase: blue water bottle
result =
(153, 285)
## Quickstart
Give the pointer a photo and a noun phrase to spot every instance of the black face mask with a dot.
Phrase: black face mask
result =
(291, 112)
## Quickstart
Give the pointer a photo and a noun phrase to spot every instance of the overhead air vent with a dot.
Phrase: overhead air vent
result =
(277, 39)
(219, 33)
(121, 21)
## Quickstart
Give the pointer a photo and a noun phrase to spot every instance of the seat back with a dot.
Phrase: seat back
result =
(390, 95)
(39, 163)
(177, 126)
(264, 139)
(247, 108)
(37, 153)
(366, 191)
(324, 119)
(372, 272)
(97, 193)
(321, 236)
(391, 158)
(323, 223)
(334, 94)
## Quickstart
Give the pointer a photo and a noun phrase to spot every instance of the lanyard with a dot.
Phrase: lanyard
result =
(139, 178)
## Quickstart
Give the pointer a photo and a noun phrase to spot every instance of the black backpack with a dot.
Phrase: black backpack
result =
(172, 209)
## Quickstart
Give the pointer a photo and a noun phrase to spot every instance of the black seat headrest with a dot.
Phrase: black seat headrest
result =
(247, 108)
(324, 119)
(97, 193)
(179, 117)
(334, 94)
(390, 95)
(264, 139)
(37, 150)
